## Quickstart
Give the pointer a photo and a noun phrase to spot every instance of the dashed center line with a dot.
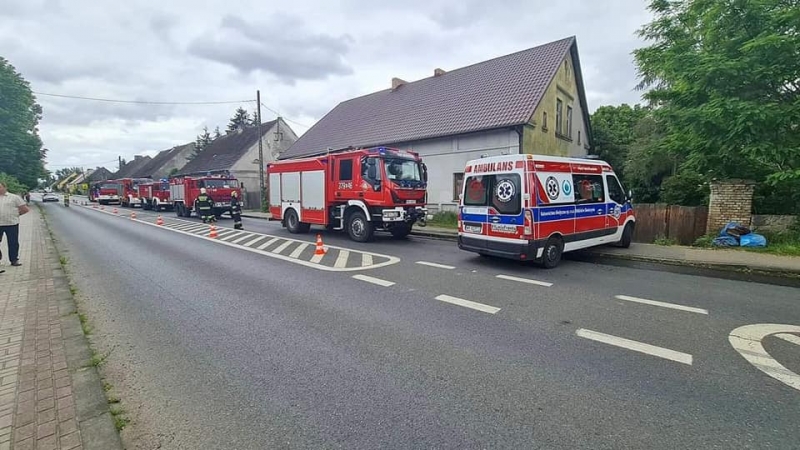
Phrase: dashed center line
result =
(374, 280)
(636, 346)
(661, 304)
(525, 280)
(440, 266)
(468, 304)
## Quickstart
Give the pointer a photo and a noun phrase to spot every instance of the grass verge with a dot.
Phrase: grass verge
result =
(444, 219)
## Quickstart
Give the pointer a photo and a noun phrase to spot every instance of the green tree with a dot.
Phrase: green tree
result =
(614, 130)
(12, 183)
(724, 78)
(217, 134)
(240, 118)
(201, 142)
(21, 152)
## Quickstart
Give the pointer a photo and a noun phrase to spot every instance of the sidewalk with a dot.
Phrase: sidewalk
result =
(50, 396)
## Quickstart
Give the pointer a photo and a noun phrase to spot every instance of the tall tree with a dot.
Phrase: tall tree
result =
(201, 142)
(21, 152)
(724, 77)
(614, 131)
(217, 134)
(240, 118)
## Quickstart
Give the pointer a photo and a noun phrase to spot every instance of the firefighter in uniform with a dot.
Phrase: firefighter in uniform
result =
(205, 206)
(66, 199)
(236, 211)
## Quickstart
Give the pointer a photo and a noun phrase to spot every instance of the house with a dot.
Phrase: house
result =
(99, 174)
(532, 101)
(79, 185)
(165, 162)
(237, 152)
(129, 170)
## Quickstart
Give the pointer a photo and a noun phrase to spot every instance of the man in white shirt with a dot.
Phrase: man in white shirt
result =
(11, 207)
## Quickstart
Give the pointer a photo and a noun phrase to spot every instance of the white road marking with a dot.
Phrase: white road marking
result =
(246, 236)
(267, 244)
(366, 260)
(661, 304)
(341, 261)
(524, 280)
(282, 247)
(789, 338)
(440, 266)
(236, 234)
(317, 258)
(388, 260)
(299, 250)
(258, 238)
(636, 346)
(747, 341)
(374, 280)
(468, 304)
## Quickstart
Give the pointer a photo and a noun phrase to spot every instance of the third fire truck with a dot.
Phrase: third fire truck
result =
(184, 190)
(355, 190)
(154, 195)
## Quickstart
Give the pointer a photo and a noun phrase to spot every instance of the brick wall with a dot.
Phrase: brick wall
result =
(730, 200)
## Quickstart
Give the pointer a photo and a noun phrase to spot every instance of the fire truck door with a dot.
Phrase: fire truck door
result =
(344, 179)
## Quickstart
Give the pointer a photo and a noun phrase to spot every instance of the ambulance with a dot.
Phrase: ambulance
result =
(535, 208)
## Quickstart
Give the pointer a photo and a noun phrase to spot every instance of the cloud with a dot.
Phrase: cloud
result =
(282, 47)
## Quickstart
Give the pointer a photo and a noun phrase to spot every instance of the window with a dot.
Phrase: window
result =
(579, 137)
(559, 115)
(226, 184)
(588, 189)
(458, 185)
(569, 122)
(615, 191)
(345, 169)
(501, 192)
(544, 121)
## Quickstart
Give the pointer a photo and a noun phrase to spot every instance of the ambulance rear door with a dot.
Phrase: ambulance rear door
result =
(493, 203)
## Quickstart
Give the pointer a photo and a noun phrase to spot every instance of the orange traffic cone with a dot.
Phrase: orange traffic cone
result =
(159, 221)
(212, 233)
(115, 211)
(320, 249)
(133, 215)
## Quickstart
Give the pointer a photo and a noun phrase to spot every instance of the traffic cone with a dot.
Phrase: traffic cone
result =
(159, 221)
(115, 211)
(133, 215)
(320, 249)
(212, 233)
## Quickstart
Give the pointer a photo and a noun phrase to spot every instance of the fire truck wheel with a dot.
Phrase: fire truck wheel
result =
(627, 236)
(292, 222)
(551, 255)
(359, 228)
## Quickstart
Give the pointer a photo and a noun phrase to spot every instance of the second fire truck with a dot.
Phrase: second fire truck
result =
(359, 191)
(184, 189)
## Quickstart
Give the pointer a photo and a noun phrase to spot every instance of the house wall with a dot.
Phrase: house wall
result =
(247, 172)
(447, 157)
(542, 138)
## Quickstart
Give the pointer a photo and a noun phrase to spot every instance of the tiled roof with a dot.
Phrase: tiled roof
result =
(99, 174)
(131, 167)
(162, 158)
(497, 93)
(226, 150)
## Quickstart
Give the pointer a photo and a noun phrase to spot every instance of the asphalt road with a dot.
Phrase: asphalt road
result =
(220, 344)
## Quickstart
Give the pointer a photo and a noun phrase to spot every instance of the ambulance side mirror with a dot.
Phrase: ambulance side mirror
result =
(630, 195)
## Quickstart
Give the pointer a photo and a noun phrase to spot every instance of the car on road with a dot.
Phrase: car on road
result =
(49, 197)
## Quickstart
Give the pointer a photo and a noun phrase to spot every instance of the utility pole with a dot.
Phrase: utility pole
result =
(119, 164)
(262, 187)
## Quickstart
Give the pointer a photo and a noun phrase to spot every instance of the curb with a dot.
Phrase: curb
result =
(93, 414)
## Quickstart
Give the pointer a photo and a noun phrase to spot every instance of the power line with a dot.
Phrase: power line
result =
(284, 118)
(144, 102)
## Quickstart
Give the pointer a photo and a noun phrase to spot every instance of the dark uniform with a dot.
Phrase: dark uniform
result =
(205, 207)
(236, 211)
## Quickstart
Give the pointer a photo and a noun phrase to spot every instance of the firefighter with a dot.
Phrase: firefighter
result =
(66, 199)
(205, 206)
(236, 211)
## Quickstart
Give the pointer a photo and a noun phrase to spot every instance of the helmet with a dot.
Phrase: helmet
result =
(202, 190)
(234, 194)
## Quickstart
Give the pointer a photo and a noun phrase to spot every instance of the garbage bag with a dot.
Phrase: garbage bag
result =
(725, 241)
(734, 229)
(753, 240)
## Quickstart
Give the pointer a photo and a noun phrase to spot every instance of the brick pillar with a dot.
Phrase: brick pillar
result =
(730, 200)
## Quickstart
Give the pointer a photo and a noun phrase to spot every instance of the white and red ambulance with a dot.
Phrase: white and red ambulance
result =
(535, 207)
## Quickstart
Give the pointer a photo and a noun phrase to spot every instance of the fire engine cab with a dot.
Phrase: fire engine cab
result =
(358, 190)
(532, 207)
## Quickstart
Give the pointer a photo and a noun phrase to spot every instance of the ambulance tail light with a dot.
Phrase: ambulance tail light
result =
(527, 230)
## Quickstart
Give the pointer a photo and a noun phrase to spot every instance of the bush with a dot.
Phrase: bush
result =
(445, 219)
(13, 185)
(685, 189)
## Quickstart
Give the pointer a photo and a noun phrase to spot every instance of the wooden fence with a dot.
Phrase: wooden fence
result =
(682, 224)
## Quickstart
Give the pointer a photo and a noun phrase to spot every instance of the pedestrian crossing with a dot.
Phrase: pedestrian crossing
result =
(335, 259)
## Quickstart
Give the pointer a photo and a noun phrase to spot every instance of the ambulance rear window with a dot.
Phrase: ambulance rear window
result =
(501, 192)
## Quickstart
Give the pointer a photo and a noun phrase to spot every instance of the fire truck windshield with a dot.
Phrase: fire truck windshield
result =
(402, 170)
(225, 184)
(108, 186)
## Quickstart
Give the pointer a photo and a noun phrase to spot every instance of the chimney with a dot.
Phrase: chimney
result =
(397, 82)
(438, 72)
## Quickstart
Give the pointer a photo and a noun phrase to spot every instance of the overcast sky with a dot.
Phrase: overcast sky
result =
(305, 57)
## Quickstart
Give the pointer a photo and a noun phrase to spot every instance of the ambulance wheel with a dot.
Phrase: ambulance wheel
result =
(627, 236)
(292, 222)
(551, 255)
(359, 228)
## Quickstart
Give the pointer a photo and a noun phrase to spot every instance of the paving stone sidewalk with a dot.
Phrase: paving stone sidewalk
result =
(50, 396)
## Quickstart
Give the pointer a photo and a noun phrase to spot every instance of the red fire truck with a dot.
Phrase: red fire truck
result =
(106, 192)
(155, 195)
(129, 191)
(355, 190)
(184, 189)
